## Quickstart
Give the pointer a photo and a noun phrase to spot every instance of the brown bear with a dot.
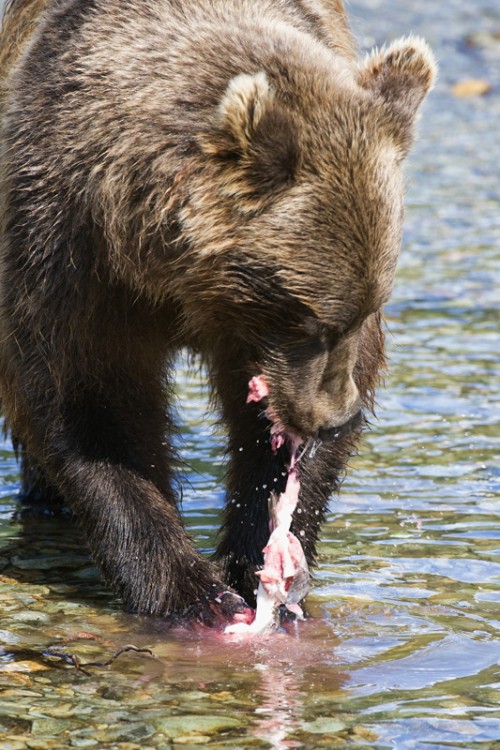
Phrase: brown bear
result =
(217, 175)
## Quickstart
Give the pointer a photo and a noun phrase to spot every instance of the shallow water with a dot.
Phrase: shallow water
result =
(403, 647)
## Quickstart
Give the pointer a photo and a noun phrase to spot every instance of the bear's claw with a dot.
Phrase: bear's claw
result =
(219, 610)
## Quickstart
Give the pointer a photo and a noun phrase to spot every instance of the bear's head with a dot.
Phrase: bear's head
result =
(308, 189)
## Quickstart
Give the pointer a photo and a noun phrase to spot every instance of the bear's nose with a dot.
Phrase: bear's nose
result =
(330, 434)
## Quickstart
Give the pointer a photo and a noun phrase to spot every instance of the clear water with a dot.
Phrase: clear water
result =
(403, 648)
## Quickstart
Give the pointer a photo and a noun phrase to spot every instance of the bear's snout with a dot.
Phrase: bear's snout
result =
(335, 408)
(325, 416)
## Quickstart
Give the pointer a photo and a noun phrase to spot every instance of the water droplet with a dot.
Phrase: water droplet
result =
(302, 532)
(240, 449)
(264, 486)
(299, 510)
(238, 505)
(316, 512)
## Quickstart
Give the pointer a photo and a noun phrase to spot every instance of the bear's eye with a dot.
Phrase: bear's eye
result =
(327, 335)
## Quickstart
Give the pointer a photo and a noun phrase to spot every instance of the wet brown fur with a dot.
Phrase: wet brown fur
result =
(220, 176)
(19, 21)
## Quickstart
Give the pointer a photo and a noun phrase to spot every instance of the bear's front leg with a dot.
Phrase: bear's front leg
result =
(255, 471)
(107, 457)
(259, 467)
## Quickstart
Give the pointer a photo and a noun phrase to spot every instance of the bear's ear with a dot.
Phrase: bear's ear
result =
(254, 140)
(243, 105)
(400, 77)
